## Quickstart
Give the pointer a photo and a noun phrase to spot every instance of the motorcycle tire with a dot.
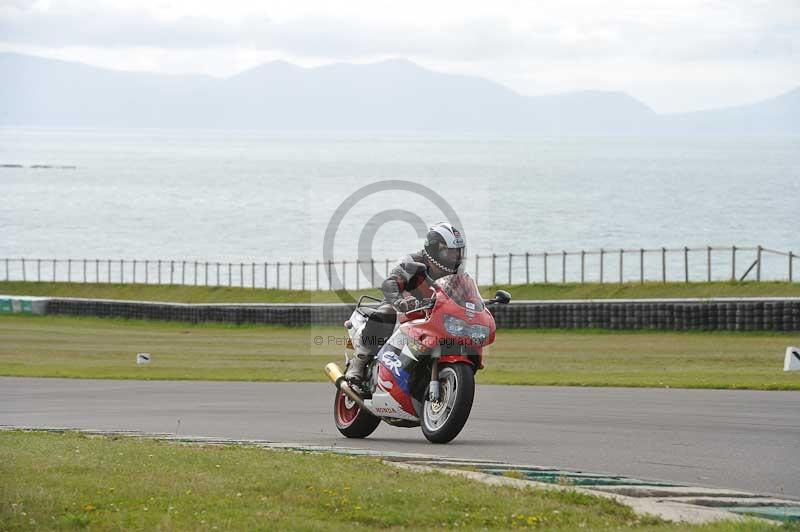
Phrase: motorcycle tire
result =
(350, 419)
(443, 420)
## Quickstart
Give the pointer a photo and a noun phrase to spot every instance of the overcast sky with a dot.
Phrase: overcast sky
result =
(674, 55)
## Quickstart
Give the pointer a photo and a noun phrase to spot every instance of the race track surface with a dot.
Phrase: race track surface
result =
(745, 440)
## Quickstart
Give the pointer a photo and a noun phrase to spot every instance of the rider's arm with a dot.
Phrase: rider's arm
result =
(397, 281)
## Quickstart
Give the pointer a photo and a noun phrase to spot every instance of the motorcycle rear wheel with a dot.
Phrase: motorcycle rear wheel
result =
(444, 419)
(350, 419)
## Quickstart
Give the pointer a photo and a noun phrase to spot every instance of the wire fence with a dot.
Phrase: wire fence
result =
(695, 264)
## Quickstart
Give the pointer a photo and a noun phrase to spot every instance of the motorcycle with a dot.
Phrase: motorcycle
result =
(424, 374)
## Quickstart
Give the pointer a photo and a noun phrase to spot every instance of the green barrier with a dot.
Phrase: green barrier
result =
(16, 306)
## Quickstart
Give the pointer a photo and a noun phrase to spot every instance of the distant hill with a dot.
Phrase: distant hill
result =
(389, 96)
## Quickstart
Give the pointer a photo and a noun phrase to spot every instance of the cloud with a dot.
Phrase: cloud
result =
(712, 32)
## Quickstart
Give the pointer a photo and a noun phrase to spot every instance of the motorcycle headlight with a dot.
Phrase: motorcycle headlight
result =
(455, 326)
(458, 327)
(479, 333)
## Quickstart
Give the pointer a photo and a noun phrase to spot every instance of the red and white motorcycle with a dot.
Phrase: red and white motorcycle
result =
(424, 375)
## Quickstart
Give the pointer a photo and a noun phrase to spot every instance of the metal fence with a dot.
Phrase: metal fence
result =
(695, 264)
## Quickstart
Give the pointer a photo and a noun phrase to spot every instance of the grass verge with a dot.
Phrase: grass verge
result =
(209, 294)
(53, 346)
(70, 481)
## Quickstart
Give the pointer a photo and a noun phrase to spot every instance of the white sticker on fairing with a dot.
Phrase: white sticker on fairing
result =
(391, 361)
(470, 305)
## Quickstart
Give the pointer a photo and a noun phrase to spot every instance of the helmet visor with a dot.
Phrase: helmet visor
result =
(450, 257)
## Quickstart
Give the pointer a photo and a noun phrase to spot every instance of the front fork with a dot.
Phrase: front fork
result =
(433, 388)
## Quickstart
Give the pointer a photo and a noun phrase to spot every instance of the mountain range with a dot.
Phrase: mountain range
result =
(388, 96)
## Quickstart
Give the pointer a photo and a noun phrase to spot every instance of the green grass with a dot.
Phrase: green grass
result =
(69, 481)
(174, 293)
(54, 346)
(203, 294)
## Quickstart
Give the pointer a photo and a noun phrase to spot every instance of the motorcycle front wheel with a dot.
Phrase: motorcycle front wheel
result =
(442, 420)
(350, 419)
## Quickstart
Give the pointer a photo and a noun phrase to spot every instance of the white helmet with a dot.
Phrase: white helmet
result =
(444, 246)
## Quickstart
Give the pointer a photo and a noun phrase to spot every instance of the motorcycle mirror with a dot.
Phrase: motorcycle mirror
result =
(415, 267)
(502, 297)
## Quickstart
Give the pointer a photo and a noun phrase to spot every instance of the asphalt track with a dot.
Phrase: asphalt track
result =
(745, 440)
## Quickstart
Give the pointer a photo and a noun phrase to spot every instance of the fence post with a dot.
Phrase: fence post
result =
(583, 264)
(108, 265)
(758, 265)
(230, 274)
(23, 269)
(54, 267)
(39, 270)
(195, 273)
(278, 275)
(253, 275)
(686, 263)
(387, 269)
(708, 259)
(510, 255)
(146, 271)
(122, 271)
(494, 261)
(171, 271)
(241, 275)
(290, 274)
(563, 266)
(602, 261)
(303, 276)
(158, 276)
(6, 269)
(527, 267)
(641, 266)
(621, 253)
(790, 266)
(663, 265)
(330, 282)
(84, 271)
(183, 272)
(316, 274)
(265, 276)
(205, 273)
(545, 267)
(134, 271)
(733, 263)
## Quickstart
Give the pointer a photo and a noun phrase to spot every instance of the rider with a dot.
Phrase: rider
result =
(442, 254)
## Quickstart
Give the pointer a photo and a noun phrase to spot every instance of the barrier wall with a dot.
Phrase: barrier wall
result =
(741, 314)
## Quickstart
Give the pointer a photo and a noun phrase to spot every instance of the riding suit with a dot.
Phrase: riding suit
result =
(441, 255)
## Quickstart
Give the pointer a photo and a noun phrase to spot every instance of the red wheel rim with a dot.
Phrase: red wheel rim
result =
(346, 409)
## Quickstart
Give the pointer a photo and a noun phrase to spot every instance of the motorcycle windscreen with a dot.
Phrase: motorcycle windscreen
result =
(463, 290)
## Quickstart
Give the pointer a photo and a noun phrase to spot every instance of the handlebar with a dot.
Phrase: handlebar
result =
(424, 304)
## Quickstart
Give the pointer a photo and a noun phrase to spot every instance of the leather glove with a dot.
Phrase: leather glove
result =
(406, 304)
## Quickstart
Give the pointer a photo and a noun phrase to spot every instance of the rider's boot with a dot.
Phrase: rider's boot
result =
(355, 371)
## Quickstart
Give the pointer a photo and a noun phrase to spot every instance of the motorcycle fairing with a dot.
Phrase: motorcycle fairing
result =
(392, 394)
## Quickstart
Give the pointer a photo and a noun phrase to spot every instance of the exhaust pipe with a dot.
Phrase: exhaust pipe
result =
(337, 377)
